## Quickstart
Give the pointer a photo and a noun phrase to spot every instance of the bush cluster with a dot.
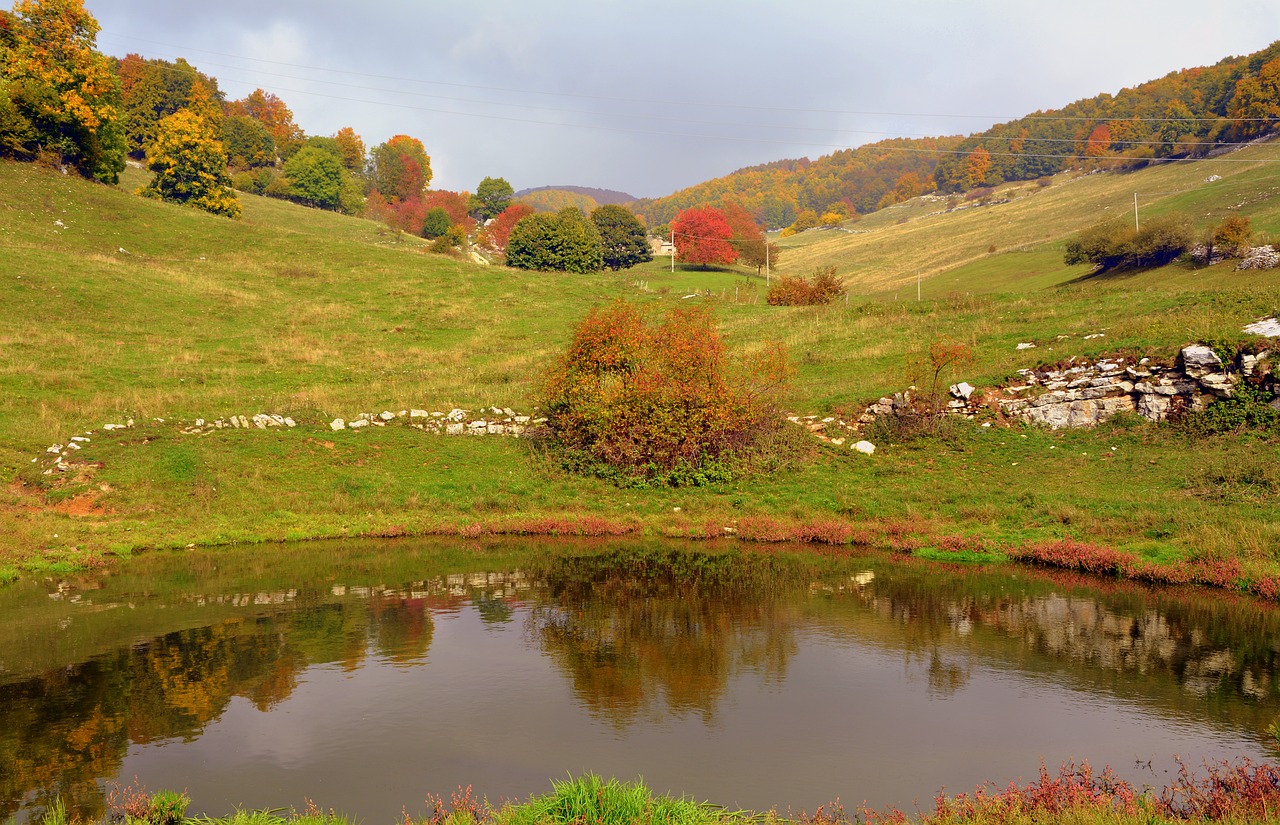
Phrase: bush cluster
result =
(819, 289)
(653, 403)
(1117, 246)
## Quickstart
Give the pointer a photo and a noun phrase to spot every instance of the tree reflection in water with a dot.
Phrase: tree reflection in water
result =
(641, 634)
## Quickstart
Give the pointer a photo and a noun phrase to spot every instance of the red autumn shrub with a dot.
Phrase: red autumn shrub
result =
(643, 402)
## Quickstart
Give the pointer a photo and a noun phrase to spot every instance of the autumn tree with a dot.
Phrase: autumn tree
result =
(492, 196)
(271, 112)
(58, 94)
(978, 168)
(1255, 106)
(455, 205)
(499, 231)
(702, 236)
(749, 238)
(352, 148)
(190, 166)
(622, 237)
(563, 242)
(399, 168)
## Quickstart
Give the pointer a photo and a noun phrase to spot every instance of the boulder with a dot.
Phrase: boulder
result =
(337, 424)
(865, 447)
(1199, 361)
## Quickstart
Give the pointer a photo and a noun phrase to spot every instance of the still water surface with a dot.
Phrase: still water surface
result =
(365, 676)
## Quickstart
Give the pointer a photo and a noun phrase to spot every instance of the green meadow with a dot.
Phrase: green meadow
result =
(117, 308)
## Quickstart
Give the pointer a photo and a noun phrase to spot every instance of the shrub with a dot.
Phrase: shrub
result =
(1114, 246)
(1231, 237)
(819, 289)
(653, 403)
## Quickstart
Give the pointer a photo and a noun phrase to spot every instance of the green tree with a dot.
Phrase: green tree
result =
(436, 223)
(248, 143)
(622, 237)
(563, 242)
(154, 89)
(190, 166)
(315, 178)
(492, 196)
(58, 94)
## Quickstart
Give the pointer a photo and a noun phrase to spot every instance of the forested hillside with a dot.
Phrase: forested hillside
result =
(864, 179)
(1188, 113)
(1184, 114)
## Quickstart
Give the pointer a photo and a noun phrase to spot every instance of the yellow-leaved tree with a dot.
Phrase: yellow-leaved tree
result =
(59, 96)
(190, 165)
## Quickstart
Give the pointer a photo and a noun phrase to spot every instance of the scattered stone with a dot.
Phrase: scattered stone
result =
(358, 423)
(387, 416)
(1025, 346)
(962, 390)
(454, 428)
(289, 422)
(337, 424)
(418, 414)
(865, 447)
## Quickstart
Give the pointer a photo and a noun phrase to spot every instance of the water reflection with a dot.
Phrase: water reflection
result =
(651, 641)
(639, 635)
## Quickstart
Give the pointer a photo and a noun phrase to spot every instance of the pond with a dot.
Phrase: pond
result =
(364, 676)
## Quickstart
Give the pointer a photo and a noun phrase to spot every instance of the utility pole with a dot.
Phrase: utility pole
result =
(766, 257)
(673, 253)
(1136, 228)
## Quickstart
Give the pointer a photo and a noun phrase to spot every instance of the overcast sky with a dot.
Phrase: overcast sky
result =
(649, 97)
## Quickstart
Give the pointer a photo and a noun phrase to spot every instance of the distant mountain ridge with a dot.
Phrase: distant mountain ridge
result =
(600, 196)
(586, 198)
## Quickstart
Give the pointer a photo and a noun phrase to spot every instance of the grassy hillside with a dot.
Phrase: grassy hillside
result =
(317, 316)
(1015, 242)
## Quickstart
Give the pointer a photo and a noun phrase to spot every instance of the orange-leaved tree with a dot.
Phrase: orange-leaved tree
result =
(269, 110)
(655, 402)
(59, 96)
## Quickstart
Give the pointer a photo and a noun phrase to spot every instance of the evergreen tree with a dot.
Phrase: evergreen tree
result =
(622, 237)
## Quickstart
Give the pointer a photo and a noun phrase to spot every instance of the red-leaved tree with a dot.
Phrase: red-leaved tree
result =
(500, 230)
(702, 236)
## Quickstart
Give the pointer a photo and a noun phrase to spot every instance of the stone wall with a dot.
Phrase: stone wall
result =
(1082, 393)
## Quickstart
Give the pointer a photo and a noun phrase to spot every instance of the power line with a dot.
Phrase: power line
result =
(659, 117)
(660, 102)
